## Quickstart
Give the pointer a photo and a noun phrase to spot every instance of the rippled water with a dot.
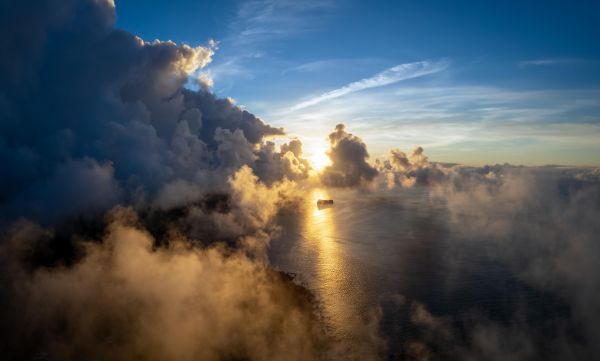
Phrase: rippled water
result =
(368, 257)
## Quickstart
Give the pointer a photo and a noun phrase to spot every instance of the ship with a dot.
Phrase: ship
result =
(324, 202)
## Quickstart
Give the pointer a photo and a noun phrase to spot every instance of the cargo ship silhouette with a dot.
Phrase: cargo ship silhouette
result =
(324, 203)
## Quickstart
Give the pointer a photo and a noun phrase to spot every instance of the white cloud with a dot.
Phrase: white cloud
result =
(255, 27)
(389, 76)
(334, 64)
(549, 61)
(262, 20)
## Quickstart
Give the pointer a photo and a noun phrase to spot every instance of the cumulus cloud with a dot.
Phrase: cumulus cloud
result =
(272, 165)
(349, 160)
(75, 90)
(91, 188)
(93, 118)
(408, 170)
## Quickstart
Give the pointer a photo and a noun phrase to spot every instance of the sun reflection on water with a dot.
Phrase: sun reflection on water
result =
(333, 276)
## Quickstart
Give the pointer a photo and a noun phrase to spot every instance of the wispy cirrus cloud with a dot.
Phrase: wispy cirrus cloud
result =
(254, 29)
(549, 61)
(263, 20)
(389, 76)
(331, 64)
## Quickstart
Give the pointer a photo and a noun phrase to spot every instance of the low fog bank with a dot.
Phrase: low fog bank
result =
(543, 223)
(127, 300)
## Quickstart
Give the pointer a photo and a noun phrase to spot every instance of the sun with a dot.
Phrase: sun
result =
(318, 159)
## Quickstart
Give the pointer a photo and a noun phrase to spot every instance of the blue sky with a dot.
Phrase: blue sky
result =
(471, 81)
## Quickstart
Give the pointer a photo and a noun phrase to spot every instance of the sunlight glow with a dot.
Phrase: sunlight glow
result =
(318, 159)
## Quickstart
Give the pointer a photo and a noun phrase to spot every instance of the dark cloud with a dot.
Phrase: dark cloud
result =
(349, 156)
(93, 118)
(75, 90)
(288, 163)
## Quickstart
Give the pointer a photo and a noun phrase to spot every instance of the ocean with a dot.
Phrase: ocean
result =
(374, 259)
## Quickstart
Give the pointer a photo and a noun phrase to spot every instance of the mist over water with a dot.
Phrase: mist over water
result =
(374, 259)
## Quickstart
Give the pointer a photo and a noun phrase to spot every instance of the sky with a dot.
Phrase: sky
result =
(473, 82)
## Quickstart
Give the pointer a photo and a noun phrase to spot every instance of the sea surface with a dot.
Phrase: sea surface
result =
(371, 257)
